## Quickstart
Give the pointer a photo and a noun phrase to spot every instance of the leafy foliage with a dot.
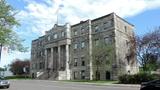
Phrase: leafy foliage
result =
(102, 52)
(7, 22)
(2, 69)
(18, 65)
(137, 78)
(102, 56)
(8, 37)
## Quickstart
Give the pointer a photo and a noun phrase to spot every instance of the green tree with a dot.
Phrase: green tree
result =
(102, 56)
(8, 37)
(151, 63)
(2, 71)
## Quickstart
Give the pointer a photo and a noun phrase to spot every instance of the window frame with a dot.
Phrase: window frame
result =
(55, 36)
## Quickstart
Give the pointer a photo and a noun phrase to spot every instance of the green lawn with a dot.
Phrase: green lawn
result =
(93, 81)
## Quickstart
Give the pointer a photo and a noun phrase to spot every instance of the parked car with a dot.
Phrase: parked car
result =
(4, 83)
(151, 85)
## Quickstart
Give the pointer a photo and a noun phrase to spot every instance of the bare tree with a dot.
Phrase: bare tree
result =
(148, 49)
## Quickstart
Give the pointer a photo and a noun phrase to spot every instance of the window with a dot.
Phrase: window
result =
(96, 42)
(108, 77)
(75, 75)
(96, 28)
(41, 53)
(107, 24)
(62, 34)
(33, 66)
(82, 44)
(75, 46)
(75, 61)
(48, 38)
(83, 62)
(75, 32)
(36, 66)
(125, 28)
(55, 36)
(82, 30)
(82, 74)
(108, 40)
(40, 65)
(128, 59)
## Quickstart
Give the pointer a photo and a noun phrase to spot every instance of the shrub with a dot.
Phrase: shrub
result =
(137, 78)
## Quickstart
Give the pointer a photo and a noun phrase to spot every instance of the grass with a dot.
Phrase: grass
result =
(93, 81)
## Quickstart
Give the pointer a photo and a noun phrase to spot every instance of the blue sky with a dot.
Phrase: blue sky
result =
(37, 16)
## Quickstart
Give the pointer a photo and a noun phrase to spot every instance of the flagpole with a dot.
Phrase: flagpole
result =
(57, 15)
(57, 12)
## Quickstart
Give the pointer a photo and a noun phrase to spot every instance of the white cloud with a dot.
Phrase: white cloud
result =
(37, 17)
(42, 16)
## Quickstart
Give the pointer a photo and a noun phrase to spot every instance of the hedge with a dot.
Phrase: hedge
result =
(137, 78)
(18, 77)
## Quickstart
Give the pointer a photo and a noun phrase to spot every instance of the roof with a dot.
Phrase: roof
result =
(79, 23)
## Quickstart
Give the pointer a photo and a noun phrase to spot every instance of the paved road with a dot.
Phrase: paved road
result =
(51, 85)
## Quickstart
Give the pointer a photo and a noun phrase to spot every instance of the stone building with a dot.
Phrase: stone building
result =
(65, 51)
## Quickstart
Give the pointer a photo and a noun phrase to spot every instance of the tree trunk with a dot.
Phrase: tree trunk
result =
(97, 73)
(0, 51)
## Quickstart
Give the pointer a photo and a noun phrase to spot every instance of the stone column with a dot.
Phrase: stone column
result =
(46, 59)
(59, 57)
(51, 60)
(90, 51)
(67, 62)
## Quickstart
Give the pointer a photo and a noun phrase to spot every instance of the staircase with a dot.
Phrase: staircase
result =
(53, 76)
(42, 75)
(45, 75)
(56, 75)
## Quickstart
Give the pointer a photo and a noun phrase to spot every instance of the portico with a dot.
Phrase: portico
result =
(57, 60)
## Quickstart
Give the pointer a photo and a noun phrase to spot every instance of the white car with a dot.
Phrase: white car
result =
(4, 83)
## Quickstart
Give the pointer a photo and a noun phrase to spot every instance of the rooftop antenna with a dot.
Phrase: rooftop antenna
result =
(57, 12)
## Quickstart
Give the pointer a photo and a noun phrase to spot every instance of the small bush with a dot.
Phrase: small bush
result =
(137, 78)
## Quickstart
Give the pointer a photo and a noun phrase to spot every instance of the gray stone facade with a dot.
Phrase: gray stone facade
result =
(65, 51)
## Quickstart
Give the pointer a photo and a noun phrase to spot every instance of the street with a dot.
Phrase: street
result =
(53, 85)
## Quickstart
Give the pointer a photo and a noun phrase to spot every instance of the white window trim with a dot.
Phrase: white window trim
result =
(82, 44)
(55, 36)
(62, 33)
(75, 32)
(75, 46)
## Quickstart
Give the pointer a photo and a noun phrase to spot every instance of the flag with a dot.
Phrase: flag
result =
(5, 50)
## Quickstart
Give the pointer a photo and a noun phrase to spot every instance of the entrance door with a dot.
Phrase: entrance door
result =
(97, 75)
(108, 75)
